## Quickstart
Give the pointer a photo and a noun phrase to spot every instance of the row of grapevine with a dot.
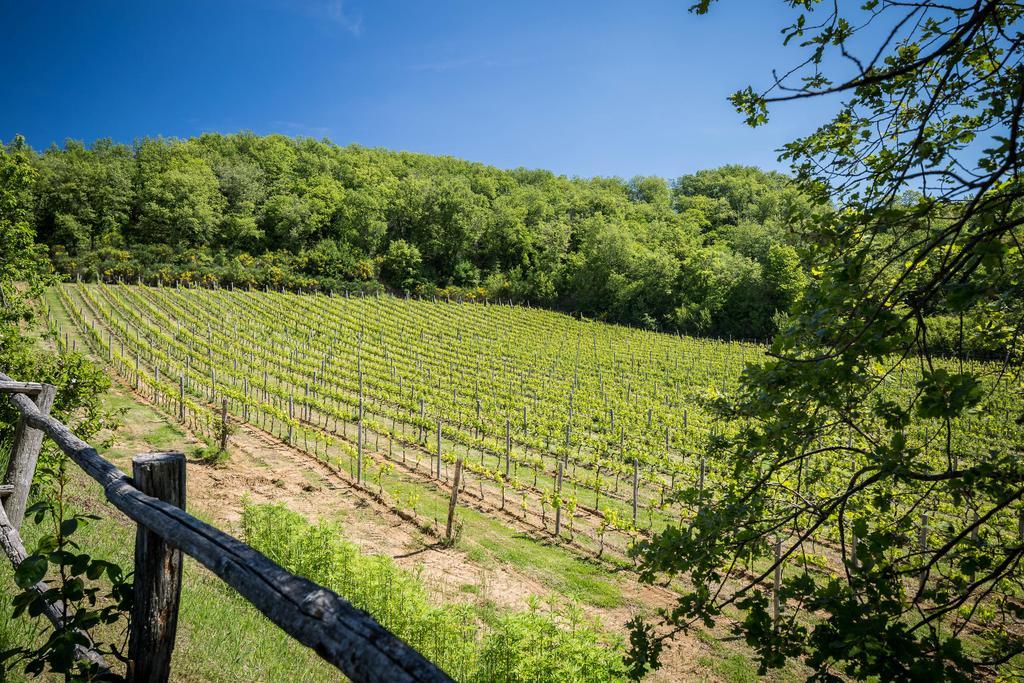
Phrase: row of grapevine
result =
(552, 416)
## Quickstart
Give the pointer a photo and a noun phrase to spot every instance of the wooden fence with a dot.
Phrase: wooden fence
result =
(154, 498)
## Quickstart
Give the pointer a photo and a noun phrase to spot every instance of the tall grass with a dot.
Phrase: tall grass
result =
(14, 632)
(553, 644)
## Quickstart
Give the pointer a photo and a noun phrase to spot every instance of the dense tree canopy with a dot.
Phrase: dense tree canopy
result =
(713, 253)
(24, 272)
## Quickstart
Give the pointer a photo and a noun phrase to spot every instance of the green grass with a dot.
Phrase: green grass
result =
(585, 582)
(164, 437)
(553, 641)
(734, 666)
(221, 637)
(226, 639)
(14, 632)
(488, 541)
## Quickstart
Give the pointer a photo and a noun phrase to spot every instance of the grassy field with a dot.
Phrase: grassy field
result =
(220, 636)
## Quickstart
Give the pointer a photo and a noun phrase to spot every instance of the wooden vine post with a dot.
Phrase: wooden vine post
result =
(181, 398)
(636, 487)
(157, 573)
(922, 542)
(421, 432)
(438, 447)
(558, 501)
(359, 426)
(291, 416)
(454, 500)
(777, 582)
(245, 403)
(508, 446)
(224, 425)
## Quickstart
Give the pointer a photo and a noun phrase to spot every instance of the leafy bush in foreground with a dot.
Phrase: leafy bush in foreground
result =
(535, 645)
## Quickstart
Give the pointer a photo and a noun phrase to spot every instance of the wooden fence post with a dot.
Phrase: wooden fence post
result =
(453, 501)
(24, 455)
(157, 573)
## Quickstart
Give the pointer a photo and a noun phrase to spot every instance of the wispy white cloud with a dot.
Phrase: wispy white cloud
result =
(351, 21)
(335, 12)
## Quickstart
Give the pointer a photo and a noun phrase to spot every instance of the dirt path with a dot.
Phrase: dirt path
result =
(263, 471)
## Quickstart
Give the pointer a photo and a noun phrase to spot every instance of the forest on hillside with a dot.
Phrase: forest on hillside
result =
(713, 253)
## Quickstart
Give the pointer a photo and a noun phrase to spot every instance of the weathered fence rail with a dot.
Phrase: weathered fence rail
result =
(343, 635)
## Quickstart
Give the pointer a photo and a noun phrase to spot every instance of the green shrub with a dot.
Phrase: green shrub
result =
(535, 645)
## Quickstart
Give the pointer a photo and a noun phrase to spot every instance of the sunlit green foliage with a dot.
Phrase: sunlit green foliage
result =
(712, 253)
(545, 643)
(914, 250)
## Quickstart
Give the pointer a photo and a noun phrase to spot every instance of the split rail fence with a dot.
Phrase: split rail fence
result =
(154, 498)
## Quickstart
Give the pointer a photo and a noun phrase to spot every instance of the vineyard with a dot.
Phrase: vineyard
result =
(733, 394)
(579, 428)
(590, 434)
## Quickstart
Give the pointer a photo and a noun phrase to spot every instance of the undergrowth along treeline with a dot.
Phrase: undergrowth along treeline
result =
(553, 644)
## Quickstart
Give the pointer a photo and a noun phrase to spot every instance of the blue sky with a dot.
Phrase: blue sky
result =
(581, 88)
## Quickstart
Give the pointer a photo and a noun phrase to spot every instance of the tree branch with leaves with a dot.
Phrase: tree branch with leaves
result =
(890, 473)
